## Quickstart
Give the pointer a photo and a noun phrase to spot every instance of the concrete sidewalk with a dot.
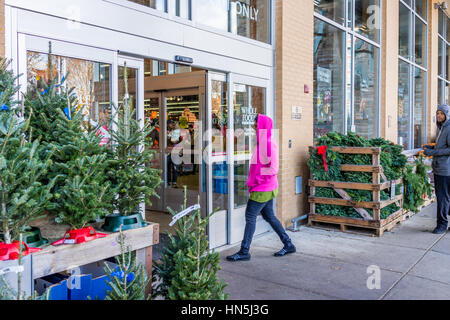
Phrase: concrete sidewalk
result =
(414, 264)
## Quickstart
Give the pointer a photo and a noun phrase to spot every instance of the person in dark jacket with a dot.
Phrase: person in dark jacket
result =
(441, 167)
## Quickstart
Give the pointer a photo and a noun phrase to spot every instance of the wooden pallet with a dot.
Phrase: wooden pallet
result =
(372, 223)
(428, 202)
(356, 226)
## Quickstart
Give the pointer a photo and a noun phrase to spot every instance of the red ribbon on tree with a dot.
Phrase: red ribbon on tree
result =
(322, 151)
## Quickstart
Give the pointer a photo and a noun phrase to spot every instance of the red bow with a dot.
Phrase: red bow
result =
(322, 151)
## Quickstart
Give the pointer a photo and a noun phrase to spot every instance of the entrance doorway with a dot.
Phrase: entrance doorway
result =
(201, 141)
(177, 117)
(175, 104)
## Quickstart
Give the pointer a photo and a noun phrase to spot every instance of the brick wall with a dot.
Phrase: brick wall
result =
(294, 48)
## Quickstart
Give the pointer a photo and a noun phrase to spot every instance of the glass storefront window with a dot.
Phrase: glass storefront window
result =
(90, 80)
(132, 85)
(349, 81)
(346, 67)
(367, 19)
(447, 30)
(329, 61)
(413, 46)
(249, 101)
(151, 114)
(446, 61)
(408, 2)
(183, 114)
(421, 43)
(219, 117)
(404, 103)
(331, 9)
(251, 19)
(441, 58)
(420, 94)
(212, 13)
(421, 8)
(180, 8)
(366, 89)
(405, 32)
(247, 18)
(155, 4)
(219, 104)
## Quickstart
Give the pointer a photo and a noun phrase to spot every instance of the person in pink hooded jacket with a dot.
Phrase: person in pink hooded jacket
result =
(263, 188)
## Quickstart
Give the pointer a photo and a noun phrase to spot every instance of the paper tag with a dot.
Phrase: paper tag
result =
(183, 213)
(69, 241)
(16, 269)
(393, 190)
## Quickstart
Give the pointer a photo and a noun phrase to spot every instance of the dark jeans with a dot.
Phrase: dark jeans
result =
(172, 170)
(251, 213)
(442, 186)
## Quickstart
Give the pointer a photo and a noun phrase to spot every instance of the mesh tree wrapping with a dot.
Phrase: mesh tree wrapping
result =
(133, 178)
(22, 195)
(188, 271)
(392, 161)
(129, 280)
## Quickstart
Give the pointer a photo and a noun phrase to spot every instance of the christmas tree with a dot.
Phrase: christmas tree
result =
(81, 165)
(22, 195)
(83, 192)
(188, 271)
(133, 178)
(129, 280)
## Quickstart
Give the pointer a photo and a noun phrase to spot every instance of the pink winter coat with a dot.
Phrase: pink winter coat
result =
(264, 164)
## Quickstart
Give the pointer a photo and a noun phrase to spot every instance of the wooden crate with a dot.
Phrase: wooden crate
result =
(54, 259)
(374, 224)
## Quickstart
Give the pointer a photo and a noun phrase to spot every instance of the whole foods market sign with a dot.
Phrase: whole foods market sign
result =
(246, 11)
(249, 115)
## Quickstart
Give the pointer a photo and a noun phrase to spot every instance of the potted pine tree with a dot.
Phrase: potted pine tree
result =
(22, 195)
(188, 270)
(82, 191)
(133, 179)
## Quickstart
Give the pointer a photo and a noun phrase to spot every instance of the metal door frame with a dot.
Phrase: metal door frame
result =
(218, 227)
(138, 64)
